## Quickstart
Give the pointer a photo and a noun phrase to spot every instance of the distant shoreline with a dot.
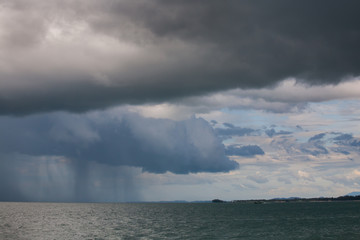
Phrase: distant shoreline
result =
(292, 199)
(254, 201)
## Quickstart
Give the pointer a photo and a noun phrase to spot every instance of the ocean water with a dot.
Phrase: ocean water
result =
(317, 220)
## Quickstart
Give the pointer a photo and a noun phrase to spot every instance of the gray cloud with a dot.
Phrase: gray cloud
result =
(346, 142)
(317, 137)
(229, 125)
(271, 132)
(340, 150)
(155, 145)
(213, 122)
(97, 156)
(315, 146)
(84, 55)
(55, 178)
(245, 151)
(314, 149)
(234, 131)
(9, 183)
(344, 137)
(320, 144)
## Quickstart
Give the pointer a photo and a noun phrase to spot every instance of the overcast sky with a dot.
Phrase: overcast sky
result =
(147, 100)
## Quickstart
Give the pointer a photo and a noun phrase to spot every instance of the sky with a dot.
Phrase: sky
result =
(155, 100)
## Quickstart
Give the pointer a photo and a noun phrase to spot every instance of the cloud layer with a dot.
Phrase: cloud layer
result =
(82, 55)
(278, 81)
(155, 145)
(97, 156)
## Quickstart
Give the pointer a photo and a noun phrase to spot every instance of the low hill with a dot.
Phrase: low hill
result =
(353, 194)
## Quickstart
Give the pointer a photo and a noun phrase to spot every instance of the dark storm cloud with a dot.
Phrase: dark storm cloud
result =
(155, 145)
(82, 55)
(9, 183)
(245, 151)
(278, 38)
(54, 178)
(97, 156)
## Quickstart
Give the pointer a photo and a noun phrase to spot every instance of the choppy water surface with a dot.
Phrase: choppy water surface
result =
(335, 220)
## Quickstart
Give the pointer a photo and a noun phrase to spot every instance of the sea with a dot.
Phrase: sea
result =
(293, 220)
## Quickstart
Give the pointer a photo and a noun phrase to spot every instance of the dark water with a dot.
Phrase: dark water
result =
(336, 220)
